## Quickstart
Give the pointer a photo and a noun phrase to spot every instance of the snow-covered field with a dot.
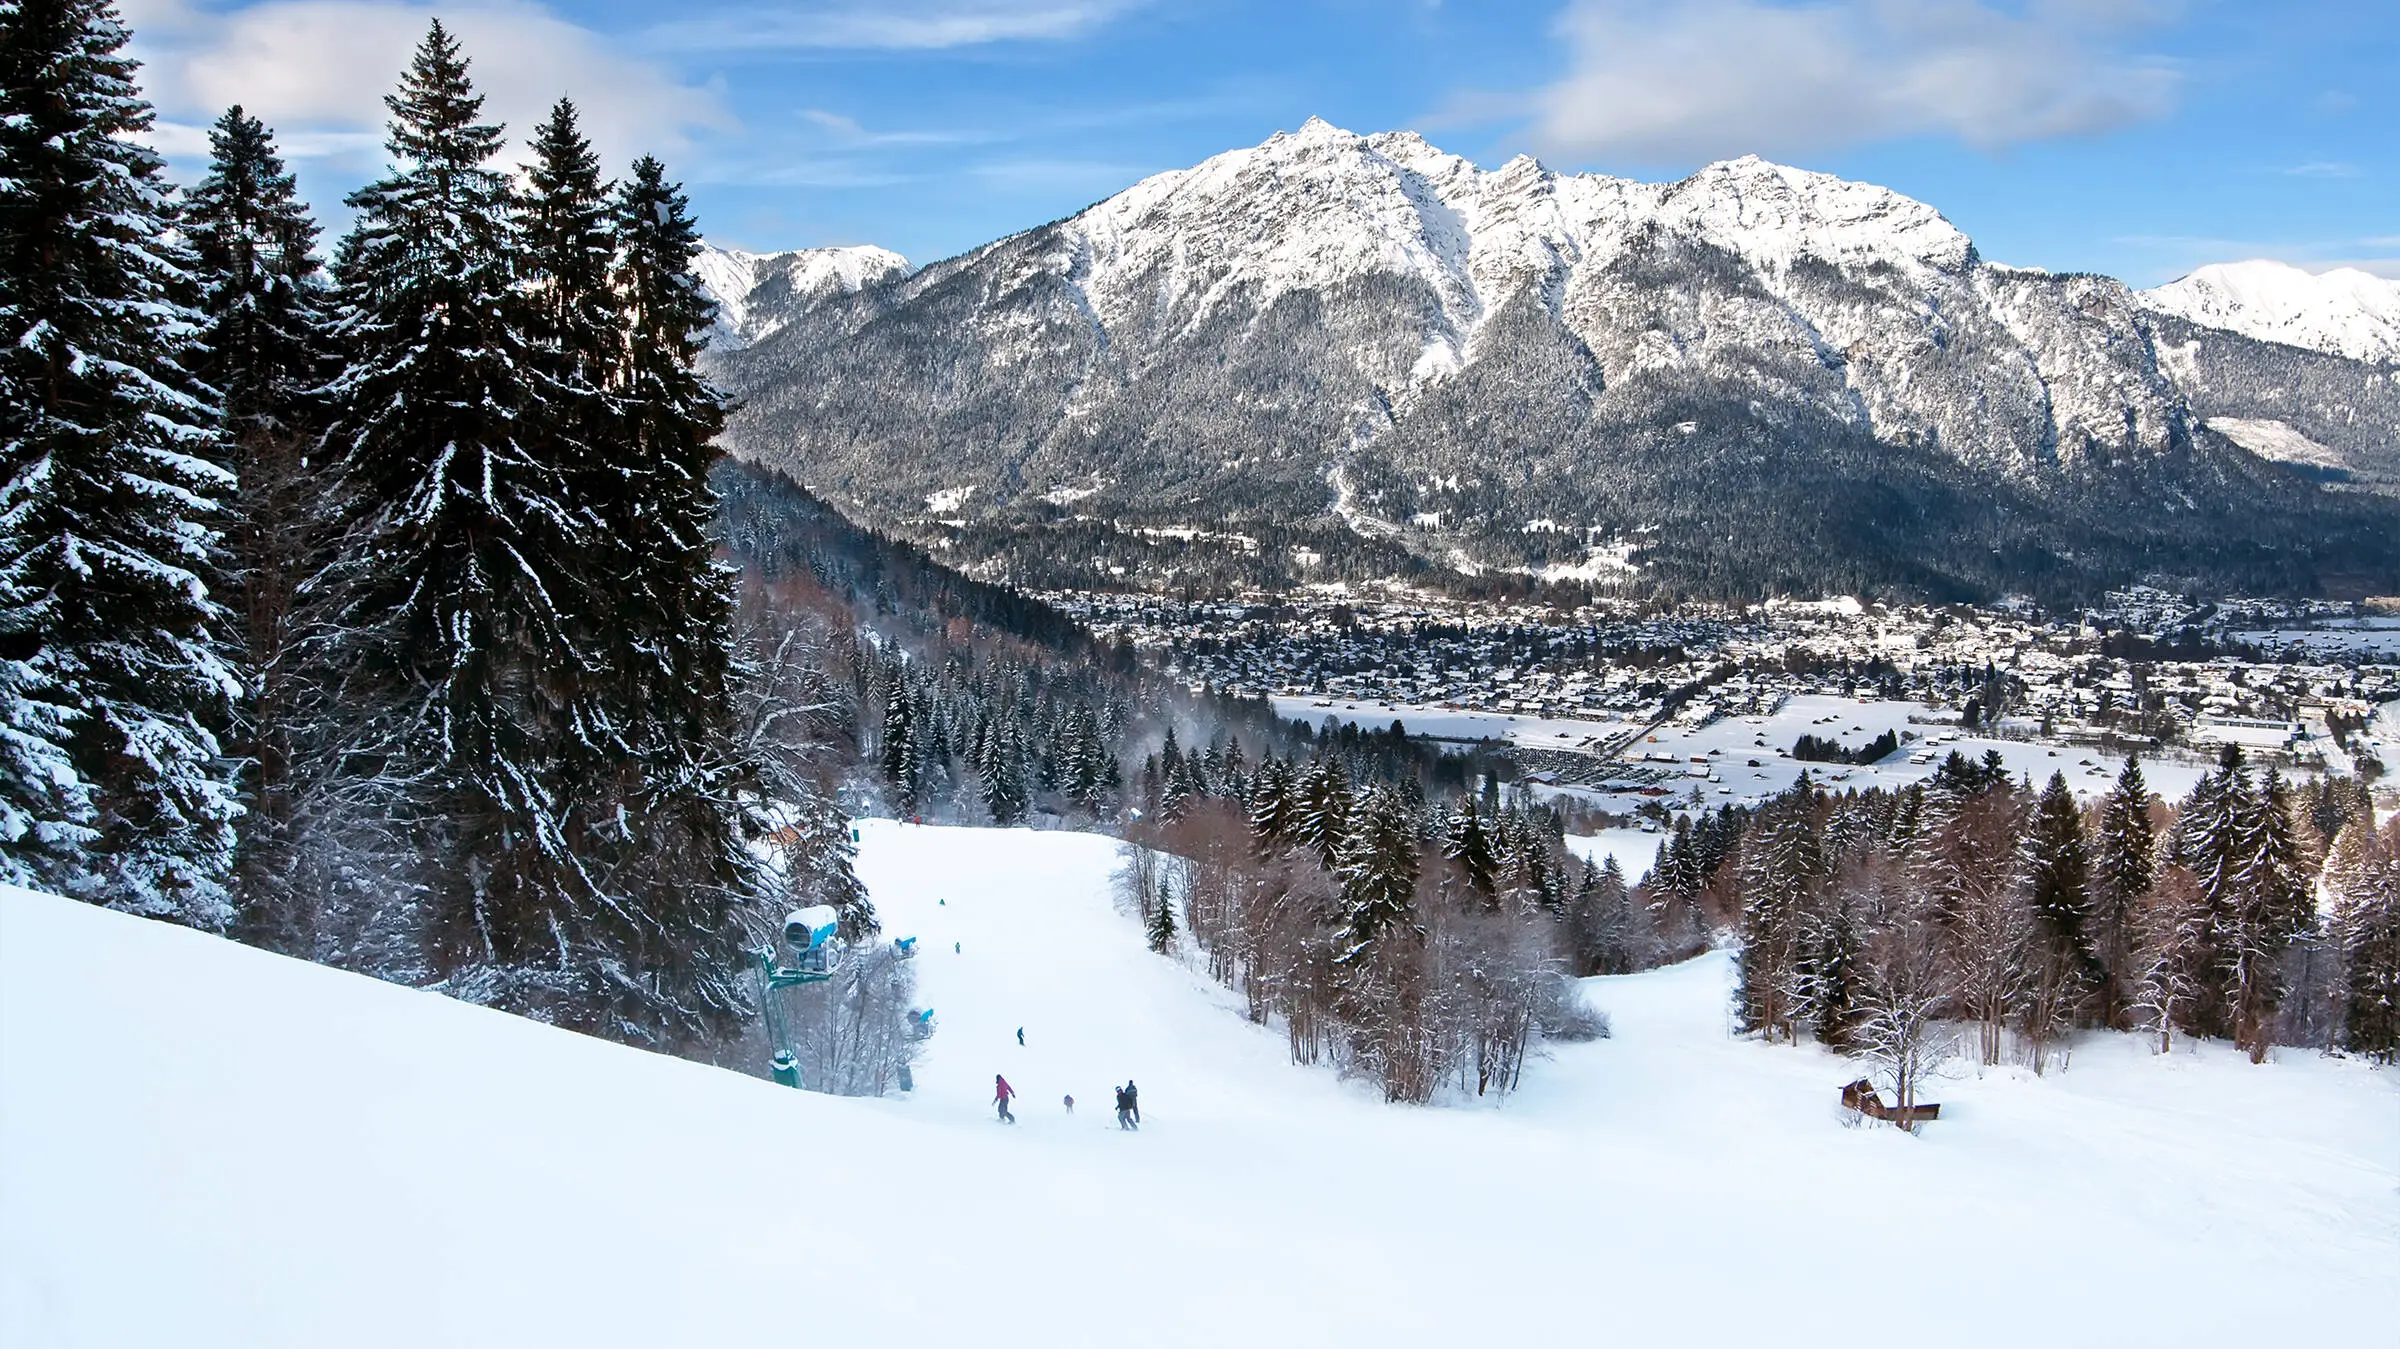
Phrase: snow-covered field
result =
(2378, 637)
(1445, 723)
(1729, 744)
(205, 1145)
(1634, 849)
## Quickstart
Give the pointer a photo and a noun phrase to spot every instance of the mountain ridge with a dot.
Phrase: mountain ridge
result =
(2341, 312)
(1365, 344)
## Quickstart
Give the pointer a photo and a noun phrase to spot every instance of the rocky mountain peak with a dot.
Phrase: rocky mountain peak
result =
(757, 293)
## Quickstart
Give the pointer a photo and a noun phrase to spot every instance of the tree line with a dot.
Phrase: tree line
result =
(2252, 911)
(369, 610)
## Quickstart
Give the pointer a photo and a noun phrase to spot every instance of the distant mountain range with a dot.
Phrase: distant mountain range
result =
(1333, 356)
(2343, 312)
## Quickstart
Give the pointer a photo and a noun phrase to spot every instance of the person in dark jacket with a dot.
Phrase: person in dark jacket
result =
(1001, 1091)
(1124, 1109)
(1133, 1101)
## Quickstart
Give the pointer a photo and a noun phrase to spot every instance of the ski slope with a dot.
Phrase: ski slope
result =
(204, 1145)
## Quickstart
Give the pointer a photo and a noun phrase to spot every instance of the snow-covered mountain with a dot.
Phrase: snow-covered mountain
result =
(756, 293)
(1366, 348)
(2345, 312)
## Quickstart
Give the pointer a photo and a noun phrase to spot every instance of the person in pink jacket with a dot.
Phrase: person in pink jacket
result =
(1001, 1091)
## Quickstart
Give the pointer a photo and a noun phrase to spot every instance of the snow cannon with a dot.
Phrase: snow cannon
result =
(905, 948)
(806, 930)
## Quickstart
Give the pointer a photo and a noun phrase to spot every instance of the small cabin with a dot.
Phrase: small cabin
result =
(1862, 1097)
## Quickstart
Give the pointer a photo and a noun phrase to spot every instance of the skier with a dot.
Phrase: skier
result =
(1133, 1101)
(1001, 1091)
(1020, 1037)
(1070, 1105)
(1124, 1110)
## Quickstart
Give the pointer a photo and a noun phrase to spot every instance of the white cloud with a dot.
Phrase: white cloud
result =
(2322, 168)
(1661, 81)
(317, 71)
(891, 24)
(846, 130)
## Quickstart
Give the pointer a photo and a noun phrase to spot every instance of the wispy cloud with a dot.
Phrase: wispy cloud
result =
(317, 71)
(904, 25)
(846, 130)
(1660, 81)
(2322, 168)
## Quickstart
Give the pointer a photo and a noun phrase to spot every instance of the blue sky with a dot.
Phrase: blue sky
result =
(2134, 137)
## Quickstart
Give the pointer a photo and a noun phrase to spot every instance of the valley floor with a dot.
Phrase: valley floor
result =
(202, 1144)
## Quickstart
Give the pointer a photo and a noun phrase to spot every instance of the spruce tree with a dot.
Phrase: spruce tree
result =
(1161, 927)
(2367, 928)
(1272, 806)
(2066, 967)
(1836, 969)
(266, 349)
(2276, 911)
(115, 682)
(466, 560)
(1470, 845)
(1378, 867)
(900, 745)
(2211, 842)
(2123, 862)
(1322, 810)
(620, 311)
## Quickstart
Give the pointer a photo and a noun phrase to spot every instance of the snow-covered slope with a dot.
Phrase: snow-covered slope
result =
(2344, 311)
(205, 1145)
(756, 293)
(1356, 333)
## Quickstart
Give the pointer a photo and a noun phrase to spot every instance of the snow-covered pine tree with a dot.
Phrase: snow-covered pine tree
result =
(1378, 867)
(900, 741)
(1780, 871)
(2124, 858)
(1601, 923)
(1271, 806)
(2367, 928)
(999, 767)
(620, 309)
(266, 349)
(114, 678)
(459, 588)
(1322, 810)
(1160, 930)
(2277, 910)
(2065, 968)
(1837, 952)
(1469, 844)
(2212, 838)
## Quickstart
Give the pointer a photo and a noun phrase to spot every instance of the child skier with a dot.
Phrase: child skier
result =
(1001, 1091)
